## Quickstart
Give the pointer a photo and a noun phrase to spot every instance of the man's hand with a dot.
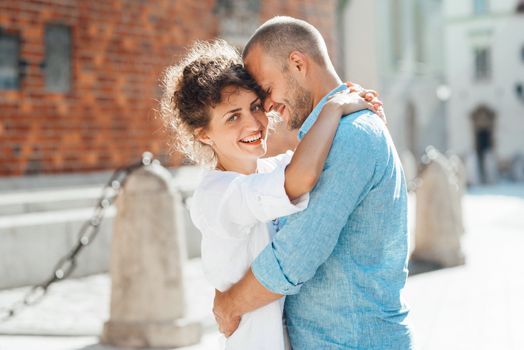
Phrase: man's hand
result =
(227, 322)
(245, 296)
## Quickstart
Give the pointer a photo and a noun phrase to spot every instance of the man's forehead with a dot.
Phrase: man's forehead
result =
(260, 65)
(253, 59)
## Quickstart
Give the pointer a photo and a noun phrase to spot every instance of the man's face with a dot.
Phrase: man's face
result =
(285, 95)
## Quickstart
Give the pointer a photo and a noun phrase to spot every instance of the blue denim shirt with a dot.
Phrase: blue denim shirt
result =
(343, 261)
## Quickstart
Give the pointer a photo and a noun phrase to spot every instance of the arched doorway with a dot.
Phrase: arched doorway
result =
(483, 119)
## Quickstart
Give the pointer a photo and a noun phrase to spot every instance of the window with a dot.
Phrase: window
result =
(482, 63)
(480, 7)
(57, 64)
(9, 61)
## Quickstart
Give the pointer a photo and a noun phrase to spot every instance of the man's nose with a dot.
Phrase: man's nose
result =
(268, 104)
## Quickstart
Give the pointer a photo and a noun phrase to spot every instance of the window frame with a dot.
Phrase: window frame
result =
(482, 63)
(57, 85)
(19, 64)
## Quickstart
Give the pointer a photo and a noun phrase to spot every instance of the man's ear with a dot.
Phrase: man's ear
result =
(298, 61)
(202, 136)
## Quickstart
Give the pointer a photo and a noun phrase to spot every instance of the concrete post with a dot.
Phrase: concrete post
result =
(409, 164)
(147, 295)
(439, 224)
(472, 169)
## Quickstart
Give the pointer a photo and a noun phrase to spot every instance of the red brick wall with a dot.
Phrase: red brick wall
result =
(120, 47)
(320, 13)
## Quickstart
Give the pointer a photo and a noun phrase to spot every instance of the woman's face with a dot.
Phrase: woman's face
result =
(238, 127)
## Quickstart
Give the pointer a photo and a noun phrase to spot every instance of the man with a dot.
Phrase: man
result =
(343, 261)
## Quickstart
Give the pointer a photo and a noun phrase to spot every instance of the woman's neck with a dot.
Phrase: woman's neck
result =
(245, 167)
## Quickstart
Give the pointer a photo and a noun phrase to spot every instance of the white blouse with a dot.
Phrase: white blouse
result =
(234, 213)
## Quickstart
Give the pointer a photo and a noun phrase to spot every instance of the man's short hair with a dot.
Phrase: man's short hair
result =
(282, 35)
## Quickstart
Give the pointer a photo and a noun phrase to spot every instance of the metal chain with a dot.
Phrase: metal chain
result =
(67, 264)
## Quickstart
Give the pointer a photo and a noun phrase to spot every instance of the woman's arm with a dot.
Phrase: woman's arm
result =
(307, 163)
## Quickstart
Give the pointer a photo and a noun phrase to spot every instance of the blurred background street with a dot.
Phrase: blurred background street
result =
(79, 90)
(475, 306)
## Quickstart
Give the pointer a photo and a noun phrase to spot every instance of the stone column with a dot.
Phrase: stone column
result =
(148, 250)
(439, 225)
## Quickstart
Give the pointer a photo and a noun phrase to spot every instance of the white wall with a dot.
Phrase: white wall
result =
(370, 61)
(361, 45)
(505, 36)
(465, 8)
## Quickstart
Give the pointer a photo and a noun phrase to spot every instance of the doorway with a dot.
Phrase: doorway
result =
(483, 119)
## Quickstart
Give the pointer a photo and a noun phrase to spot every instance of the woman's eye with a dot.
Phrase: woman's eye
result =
(233, 118)
(256, 107)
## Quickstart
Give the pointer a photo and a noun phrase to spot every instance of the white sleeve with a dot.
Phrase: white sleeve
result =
(250, 199)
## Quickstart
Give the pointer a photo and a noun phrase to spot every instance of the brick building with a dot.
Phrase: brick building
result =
(79, 79)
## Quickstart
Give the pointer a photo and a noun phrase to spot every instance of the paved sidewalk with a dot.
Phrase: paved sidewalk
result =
(479, 305)
(475, 306)
(73, 313)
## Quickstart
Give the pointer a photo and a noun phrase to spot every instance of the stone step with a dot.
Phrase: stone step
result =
(21, 202)
(31, 244)
(38, 225)
(44, 193)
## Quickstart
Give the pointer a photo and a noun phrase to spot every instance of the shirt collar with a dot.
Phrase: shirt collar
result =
(308, 123)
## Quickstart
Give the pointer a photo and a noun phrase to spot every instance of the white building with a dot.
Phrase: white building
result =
(485, 72)
(396, 47)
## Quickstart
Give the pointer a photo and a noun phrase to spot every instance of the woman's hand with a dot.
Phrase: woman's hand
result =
(355, 99)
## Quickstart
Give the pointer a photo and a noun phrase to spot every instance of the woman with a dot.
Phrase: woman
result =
(216, 111)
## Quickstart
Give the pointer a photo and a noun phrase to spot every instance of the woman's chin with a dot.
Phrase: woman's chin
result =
(255, 151)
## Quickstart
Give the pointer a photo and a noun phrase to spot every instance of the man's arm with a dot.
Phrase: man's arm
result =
(309, 237)
(246, 295)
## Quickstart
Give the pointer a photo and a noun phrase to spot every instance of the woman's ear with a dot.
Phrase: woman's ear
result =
(202, 136)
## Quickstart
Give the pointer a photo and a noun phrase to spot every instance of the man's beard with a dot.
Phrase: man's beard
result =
(299, 101)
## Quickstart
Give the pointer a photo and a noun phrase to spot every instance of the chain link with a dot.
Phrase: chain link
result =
(88, 232)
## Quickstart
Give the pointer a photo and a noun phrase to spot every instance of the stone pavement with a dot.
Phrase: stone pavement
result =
(479, 305)
(475, 306)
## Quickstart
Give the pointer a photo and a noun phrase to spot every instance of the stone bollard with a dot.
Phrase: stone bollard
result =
(439, 224)
(148, 250)
(409, 164)
(472, 169)
(517, 168)
(491, 170)
(459, 170)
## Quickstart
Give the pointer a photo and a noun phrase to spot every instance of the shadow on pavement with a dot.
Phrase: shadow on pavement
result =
(417, 266)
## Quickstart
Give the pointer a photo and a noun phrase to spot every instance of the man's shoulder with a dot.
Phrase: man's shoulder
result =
(359, 131)
(363, 122)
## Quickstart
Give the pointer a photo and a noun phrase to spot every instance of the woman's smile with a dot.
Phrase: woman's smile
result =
(253, 139)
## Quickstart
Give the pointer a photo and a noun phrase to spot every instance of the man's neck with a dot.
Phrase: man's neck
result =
(325, 81)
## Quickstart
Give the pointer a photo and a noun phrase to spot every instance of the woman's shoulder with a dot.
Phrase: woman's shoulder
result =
(209, 192)
(266, 165)
(215, 182)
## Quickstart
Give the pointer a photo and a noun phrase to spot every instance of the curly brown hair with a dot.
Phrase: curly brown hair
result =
(193, 86)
